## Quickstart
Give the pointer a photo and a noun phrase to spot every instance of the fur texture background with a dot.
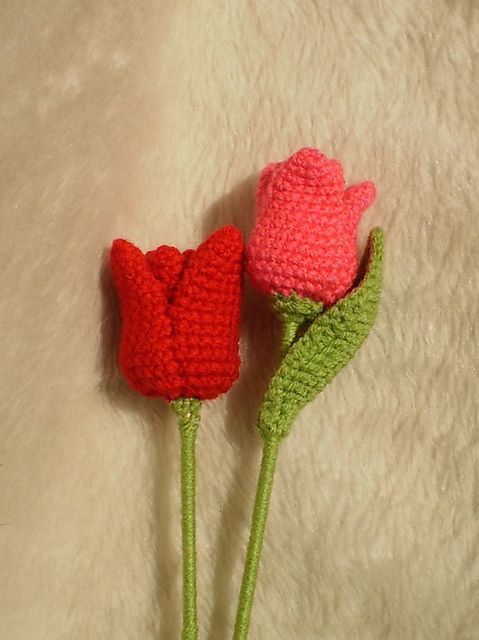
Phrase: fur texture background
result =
(150, 120)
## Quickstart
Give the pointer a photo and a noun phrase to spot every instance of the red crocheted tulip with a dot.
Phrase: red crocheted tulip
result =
(304, 240)
(180, 316)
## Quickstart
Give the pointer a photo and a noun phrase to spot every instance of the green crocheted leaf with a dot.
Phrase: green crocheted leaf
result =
(326, 347)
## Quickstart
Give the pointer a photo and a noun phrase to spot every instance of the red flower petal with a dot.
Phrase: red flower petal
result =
(205, 314)
(145, 357)
(166, 264)
(359, 197)
(180, 316)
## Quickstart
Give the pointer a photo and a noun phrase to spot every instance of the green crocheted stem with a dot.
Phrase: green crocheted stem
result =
(188, 411)
(327, 345)
(294, 312)
(255, 544)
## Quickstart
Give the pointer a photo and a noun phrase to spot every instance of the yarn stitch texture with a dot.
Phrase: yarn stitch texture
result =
(180, 316)
(327, 345)
(302, 253)
(304, 239)
(294, 312)
(188, 411)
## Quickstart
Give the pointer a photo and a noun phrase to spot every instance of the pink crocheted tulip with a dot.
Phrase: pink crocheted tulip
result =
(304, 240)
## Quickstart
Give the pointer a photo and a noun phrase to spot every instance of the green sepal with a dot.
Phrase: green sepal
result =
(294, 313)
(301, 309)
(188, 412)
(325, 348)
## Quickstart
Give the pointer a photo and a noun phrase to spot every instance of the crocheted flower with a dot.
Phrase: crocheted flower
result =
(180, 316)
(304, 240)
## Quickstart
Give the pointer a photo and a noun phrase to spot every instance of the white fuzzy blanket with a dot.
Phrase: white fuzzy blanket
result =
(150, 120)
